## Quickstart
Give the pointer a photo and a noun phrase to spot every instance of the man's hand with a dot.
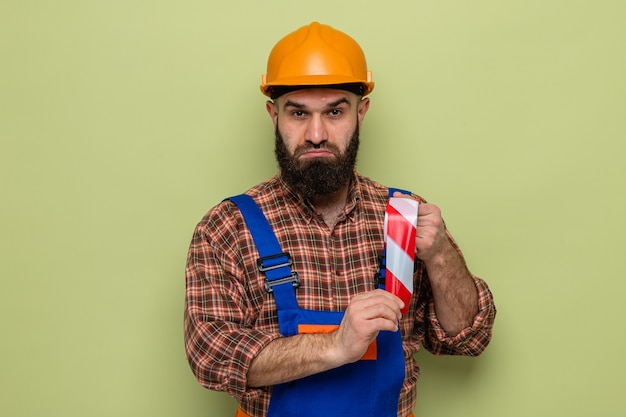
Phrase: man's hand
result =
(367, 314)
(430, 237)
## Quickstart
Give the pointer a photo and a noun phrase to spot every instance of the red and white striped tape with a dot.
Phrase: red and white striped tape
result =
(400, 228)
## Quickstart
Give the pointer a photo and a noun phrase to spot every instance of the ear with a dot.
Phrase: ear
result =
(272, 110)
(364, 106)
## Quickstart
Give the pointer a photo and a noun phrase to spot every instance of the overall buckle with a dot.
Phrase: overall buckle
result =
(379, 277)
(272, 262)
(294, 279)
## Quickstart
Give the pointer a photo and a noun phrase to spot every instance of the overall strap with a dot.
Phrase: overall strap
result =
(393, 190)
(272, 261)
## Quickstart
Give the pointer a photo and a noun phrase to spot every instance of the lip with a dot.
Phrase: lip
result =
(317, 153)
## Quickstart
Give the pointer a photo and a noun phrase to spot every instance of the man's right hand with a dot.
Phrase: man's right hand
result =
(367, 314)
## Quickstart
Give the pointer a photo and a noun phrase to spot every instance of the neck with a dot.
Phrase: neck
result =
(330, 206)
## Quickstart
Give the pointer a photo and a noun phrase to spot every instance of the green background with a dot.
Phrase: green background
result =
(123, 121)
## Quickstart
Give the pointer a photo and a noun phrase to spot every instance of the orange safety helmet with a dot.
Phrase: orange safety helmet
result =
(316, 55)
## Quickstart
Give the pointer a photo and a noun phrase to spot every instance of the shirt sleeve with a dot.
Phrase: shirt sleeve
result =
(471, 341)
(220, 340)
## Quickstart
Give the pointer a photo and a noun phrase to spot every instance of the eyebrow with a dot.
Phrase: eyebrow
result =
(331, 105)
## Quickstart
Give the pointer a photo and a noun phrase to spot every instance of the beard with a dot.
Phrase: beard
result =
(318, 176)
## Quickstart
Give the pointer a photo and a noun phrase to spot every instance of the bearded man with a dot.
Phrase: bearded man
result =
(286, 308)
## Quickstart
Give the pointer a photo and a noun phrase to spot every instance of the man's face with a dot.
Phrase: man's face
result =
(317, 138)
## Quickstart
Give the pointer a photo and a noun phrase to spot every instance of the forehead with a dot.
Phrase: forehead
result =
(317, 97)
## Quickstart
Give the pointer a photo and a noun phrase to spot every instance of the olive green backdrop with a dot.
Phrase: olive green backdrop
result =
(123, 121)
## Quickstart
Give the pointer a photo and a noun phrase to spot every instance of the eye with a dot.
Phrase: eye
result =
(335, 112)
(298, 113)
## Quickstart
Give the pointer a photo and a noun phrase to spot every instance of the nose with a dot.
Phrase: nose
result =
(316, 132)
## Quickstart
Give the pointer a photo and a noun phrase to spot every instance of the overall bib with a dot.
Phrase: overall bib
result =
(368, 387)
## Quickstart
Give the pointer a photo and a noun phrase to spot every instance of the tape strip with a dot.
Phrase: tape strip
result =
(400, 228)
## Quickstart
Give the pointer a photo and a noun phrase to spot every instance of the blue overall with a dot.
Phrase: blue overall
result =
(368, 387)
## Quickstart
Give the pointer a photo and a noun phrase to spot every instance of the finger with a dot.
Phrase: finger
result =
(426, 209)
(388, 311)
(429, 221)
(377, 304)
(379, 296)
(370, 321)
(386, 325)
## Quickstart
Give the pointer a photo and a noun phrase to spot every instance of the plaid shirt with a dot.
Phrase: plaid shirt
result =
(230, 318)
